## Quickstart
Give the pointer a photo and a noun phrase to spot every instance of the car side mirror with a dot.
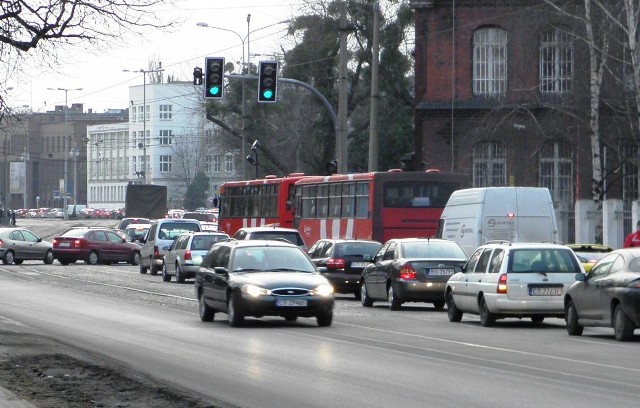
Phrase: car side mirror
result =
(322, 269)
(141, 240)
(581, 277)
(219, 270)
(39, 239)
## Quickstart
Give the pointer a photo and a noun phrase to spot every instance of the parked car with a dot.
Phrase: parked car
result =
(185, 254)
(133, 232)
(287, 234)
(261, 278)
(411, 270)
(124, 223)
(20, 244)
(93, 246)
(519, 280)
(158, 240)
(589, 254)
(343, 261)
(608, 296)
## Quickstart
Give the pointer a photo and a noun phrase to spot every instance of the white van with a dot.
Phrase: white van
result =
(474, 216)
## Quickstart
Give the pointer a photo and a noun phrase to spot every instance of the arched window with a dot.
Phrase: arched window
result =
(556, 60)
(489, 62)
(556, 171)
(489, 165)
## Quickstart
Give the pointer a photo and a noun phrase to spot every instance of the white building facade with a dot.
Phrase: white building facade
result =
(166, 142)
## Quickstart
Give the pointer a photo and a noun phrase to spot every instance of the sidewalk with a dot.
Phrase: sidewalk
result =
(10, 400)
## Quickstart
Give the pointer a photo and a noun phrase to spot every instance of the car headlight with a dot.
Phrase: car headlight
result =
(323, 290)
(255, 291)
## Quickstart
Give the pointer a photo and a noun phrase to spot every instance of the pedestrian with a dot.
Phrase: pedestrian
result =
(633, 239)
(13, 217)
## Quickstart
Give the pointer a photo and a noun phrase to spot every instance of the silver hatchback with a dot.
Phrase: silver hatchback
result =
(185, 254)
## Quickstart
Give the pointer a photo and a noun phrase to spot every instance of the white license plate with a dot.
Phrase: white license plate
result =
(545, 291)
(440, 272)
(64, 245)
(291, 302)
(359, 264)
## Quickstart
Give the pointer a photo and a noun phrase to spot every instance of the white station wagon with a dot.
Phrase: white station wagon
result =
(504, 279)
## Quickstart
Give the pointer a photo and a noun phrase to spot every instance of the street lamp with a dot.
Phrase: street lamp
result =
(75, 152)
(66, 117)
(25, 158)
(144, 116)
(253, 157)
(245, 66)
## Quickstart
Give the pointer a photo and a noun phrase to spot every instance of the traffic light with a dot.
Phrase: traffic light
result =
(197, 76)
(214, 78)
(267, 81)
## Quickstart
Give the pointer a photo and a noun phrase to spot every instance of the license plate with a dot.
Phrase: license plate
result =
(291, 302)
(545, 291)
(64, 245)
(359, 264)
(440, 271)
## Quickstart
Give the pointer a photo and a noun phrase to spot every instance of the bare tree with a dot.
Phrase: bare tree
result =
(46, 28)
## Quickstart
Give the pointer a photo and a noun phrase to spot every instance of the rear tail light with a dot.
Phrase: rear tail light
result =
(407, 272)
(336, 263)
(502, 283)
(187, 255)
(1, 243)
(156, 252)
(79, 243)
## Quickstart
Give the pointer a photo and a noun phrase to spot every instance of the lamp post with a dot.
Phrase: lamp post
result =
(246, 69)
(66, 118)
(75, 152)
(25, 158)
(144, 115)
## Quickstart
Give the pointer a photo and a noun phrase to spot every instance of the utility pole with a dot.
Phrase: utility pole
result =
(341, 135)
(375, 94)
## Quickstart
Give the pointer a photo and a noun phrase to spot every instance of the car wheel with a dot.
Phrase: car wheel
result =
(453, 313)
(234, 313)
(622, 326)
(93, 258)
(153, 269)
(165, 275)
(291, 318)
(358, 293)
(48, 258)
(135, 258)
(571, 319)
(18, 261)
(392, 299)
(143, 269)
(207, 314)
(439, 305)
(537, 319)
(487, 319)
(63, 262)
(8, 258)
(364, 296)
(179, 275)
(324, 320)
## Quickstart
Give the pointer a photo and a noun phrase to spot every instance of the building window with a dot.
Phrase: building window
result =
(489, 62)
(556, 60)
(216, 165)
(630, 174)
(165, 164)
(165, 112)
(489, 165)
(165, 137)
(134, 112)
(556, 171)
(229, 163)
(207, 163)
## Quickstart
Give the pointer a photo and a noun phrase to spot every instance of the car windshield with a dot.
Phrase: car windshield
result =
(273, 259)
(543, 260)
(292, 237)
(204, 242)
(364, 250)
(432, 249)
(75, 233)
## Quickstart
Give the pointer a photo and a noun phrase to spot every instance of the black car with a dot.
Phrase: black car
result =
(344, 260)
(411, 270)
(261, 278)
(607, 296)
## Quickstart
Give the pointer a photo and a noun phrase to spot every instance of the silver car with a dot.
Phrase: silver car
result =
(185, 254)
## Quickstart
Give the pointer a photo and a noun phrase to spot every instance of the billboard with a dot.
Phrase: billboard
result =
(17, 177)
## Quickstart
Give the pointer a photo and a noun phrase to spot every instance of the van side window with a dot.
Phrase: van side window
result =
(473, 261)
(483, 262)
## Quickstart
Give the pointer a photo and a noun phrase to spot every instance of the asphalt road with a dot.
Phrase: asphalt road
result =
(369, 357)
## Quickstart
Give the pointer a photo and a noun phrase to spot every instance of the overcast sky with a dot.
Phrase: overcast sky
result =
(106, 86)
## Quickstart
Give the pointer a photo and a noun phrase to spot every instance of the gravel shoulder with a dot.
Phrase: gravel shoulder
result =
(49, 374)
